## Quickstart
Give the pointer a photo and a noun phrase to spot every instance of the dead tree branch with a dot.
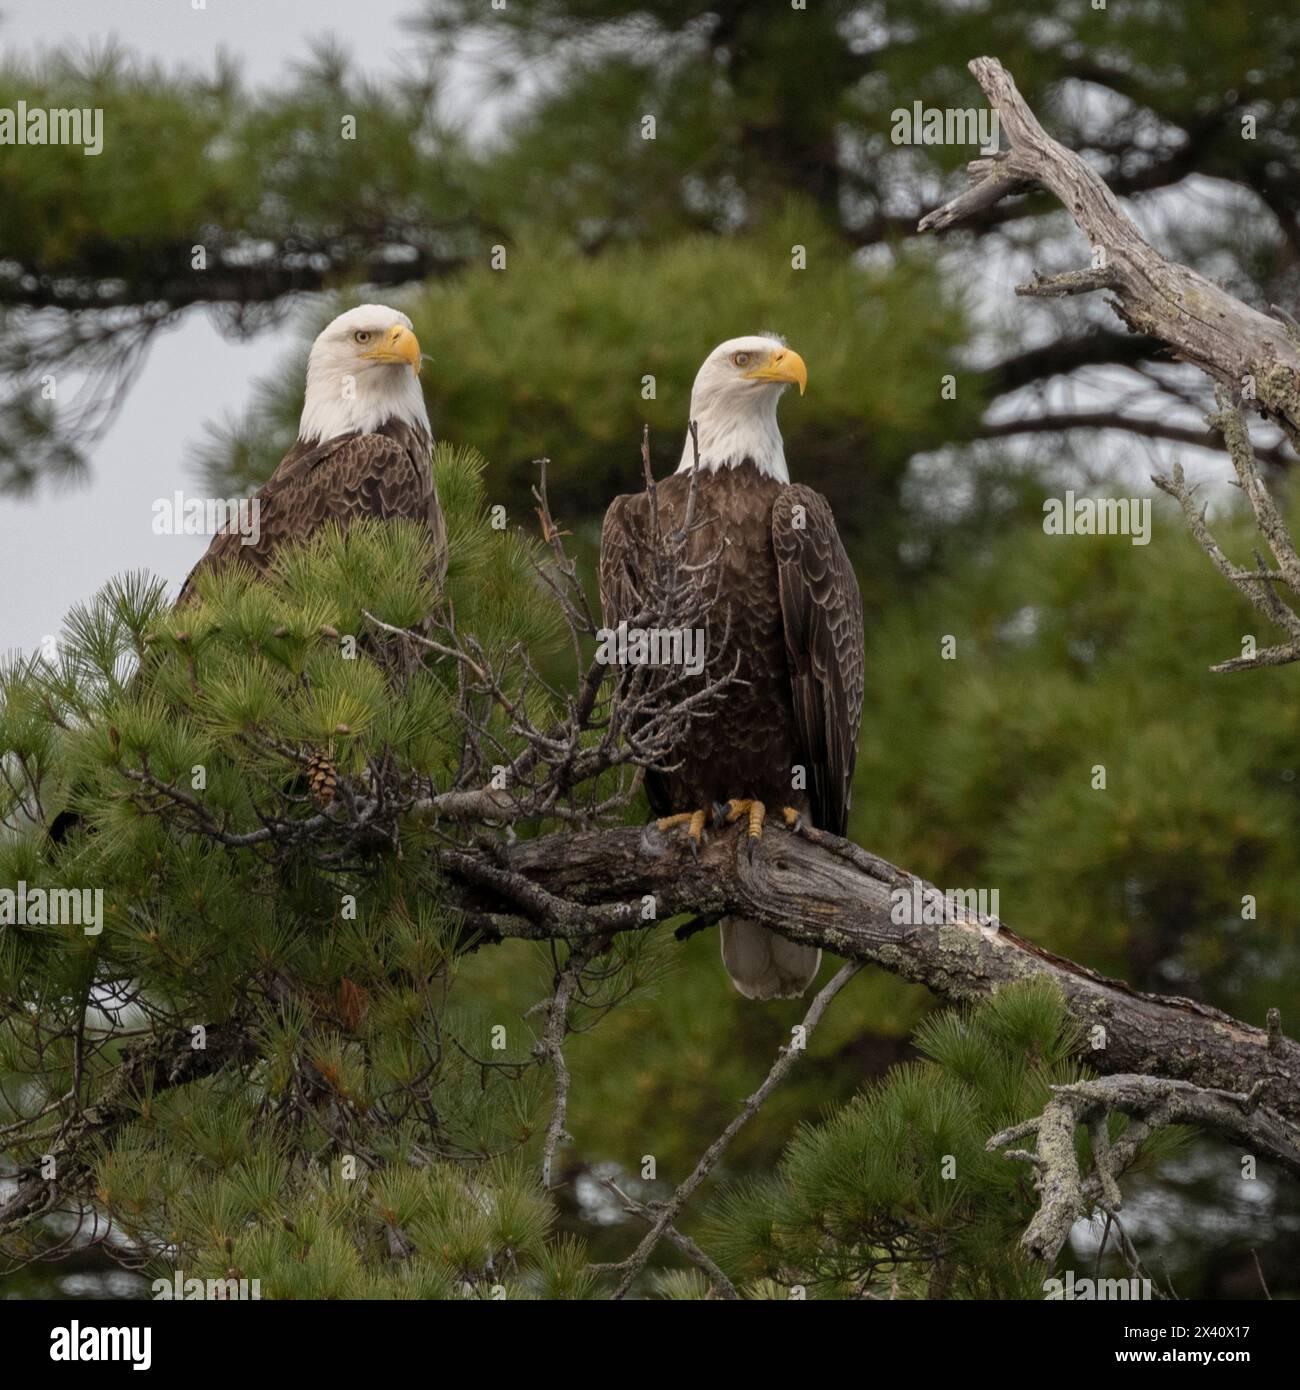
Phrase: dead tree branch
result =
(1253, 358)
(722, 1286)
(551, 1046)
(1196, 319)
(666, 1214)
(1151, 1103)
(1260, 585)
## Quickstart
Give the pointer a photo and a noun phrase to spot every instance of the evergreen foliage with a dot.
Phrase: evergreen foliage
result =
(336, 970)
(347, 1013)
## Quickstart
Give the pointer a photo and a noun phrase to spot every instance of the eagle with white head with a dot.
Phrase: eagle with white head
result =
(784, 595)
(363, 446)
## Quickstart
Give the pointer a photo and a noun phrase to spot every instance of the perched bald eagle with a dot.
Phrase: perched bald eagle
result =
(785, 738)
(363, 446)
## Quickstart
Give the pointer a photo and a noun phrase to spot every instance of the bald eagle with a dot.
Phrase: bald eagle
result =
(363, 446)
(786, 598)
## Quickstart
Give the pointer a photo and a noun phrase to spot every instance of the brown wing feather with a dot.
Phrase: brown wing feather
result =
(342, 479)
(618, 551)
(622, 538)
(822, 611)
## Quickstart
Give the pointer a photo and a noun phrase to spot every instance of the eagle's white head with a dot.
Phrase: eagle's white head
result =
(363, 370)
(733, 404)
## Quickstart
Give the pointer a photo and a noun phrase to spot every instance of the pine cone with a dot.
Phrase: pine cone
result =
(322, 778)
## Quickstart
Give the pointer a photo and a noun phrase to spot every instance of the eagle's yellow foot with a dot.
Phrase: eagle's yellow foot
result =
(731, 811)
(694, 820)
(793, 819)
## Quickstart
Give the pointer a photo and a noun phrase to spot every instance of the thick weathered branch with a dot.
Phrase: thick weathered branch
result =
(824, 891)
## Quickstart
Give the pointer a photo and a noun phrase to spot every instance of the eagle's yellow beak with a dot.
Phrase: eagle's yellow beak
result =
(400, 345)
(785, 364)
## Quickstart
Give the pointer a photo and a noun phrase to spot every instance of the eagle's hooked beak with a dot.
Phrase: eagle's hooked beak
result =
(401, 345)
(785, 364)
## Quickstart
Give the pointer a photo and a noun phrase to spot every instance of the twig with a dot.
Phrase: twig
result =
(551, 1046)
(787, 1058)
(722, 1286)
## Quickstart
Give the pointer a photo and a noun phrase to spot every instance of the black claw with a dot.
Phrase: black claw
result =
(753, 845)
(720, 814)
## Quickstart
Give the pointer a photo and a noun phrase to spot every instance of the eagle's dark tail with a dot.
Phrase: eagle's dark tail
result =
(763, 965)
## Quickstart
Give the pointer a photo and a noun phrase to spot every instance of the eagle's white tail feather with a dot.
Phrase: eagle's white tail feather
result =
(763, 965)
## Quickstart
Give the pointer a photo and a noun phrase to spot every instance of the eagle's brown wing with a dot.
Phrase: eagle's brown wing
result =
(620, 542)
(623, 537)
(822, 612)
(352, 476)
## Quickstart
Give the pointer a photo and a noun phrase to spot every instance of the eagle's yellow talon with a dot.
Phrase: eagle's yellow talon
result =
(791, 817)
(693, 820)
(729, 812)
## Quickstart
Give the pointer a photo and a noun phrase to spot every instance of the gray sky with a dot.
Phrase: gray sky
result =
(264, 34)
(63, 544)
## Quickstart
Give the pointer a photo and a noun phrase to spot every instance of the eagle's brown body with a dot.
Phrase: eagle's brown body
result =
(382, 474)
(788, 610)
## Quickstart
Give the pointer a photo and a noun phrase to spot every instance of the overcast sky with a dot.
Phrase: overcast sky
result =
(264, 34)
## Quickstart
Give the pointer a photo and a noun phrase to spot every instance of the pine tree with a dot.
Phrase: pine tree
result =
(298, 1090)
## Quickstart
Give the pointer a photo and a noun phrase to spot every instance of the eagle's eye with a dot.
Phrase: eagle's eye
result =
(362, 335)
(741, 359)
